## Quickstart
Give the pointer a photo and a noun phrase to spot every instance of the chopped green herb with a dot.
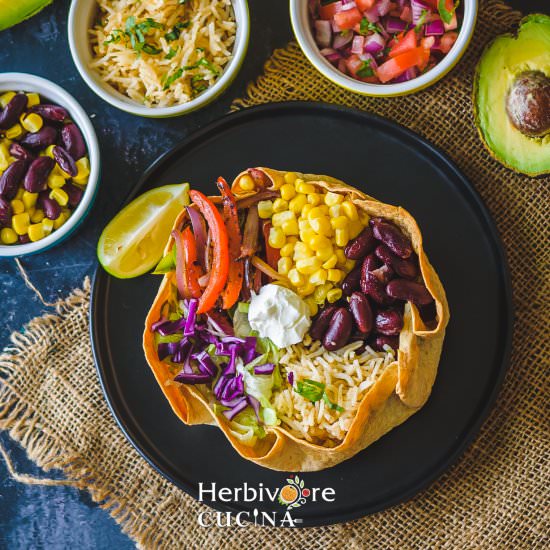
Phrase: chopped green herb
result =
(445, 14)
(200, 49)
(151, 50)
(174, 34)
(332, 405)
(315, 391)
(115, 36)
(136, 32)
(365, 26)
(171, 53)
(421, 21)
(365, 70)
(169, 80)
(204, 63)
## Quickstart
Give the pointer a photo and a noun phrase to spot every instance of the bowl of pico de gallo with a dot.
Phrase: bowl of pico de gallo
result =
(383, 47)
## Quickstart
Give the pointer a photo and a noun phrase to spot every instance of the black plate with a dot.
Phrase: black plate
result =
(396, 166)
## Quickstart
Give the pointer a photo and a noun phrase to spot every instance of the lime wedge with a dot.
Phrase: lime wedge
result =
(133, 241)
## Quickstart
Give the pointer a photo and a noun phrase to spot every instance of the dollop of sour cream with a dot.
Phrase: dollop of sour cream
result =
(280, 315)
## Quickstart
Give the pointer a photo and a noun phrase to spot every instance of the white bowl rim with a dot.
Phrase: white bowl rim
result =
(120, 101)
(31, 83)
(298, 13)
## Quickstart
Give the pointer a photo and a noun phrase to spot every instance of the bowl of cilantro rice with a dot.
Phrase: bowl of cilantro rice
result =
(159, 58)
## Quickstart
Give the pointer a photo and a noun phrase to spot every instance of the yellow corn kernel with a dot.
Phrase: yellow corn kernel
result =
(308, 266)
(5, 156)
(14, 132)
(325, 253)
(335, 210)
(284, 265)
(305, 290)
(36, 232)
(340, 222)
(333, 295)
(247, 183)
(47, 224)
(60, 196)
(288, 192)
(19, 194)
(32, 122)
(276, 237)
(32, 99)
(319, 277)
(20, 223)
(331, 262)
(319, 242)
(314, 199)
(341, 256)
(297, 203)
(281, 217)
(349, 265)
(321, 291)
(305, 188)
(83, 171)
(306, 235)
(58, 172)
(48, 152)
(29, 199)
(280, 205)
(306, 209)
(321, 225)
(315, 212)
(61, 219)
(313, 307)
(287, 250)
(335, 275)
(17, 206)
(265, 209)
(302, 251)
(290, 177)
(297, 279)
(55, 181)
(341, 237)
(8, 236)
(364, 217)
(6, 98)
(355, 227)
(333, 198)
(350, 210)
(37, 216)
(290, 227)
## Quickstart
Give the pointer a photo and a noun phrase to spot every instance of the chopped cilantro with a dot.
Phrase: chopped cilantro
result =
(365, 70)
(171, 53)
(169, 80)
(445, 14)
(174, 34)
(365, 26)
(421, 21)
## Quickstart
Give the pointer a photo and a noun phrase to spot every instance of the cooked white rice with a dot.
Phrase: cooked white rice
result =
(347, 376)
(208, 33)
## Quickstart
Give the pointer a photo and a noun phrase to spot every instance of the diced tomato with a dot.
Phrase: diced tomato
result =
(447, 41)
(406, 15)
(432, 4)
(395, 66)
(348, 19)
(327, 12)
(365, 4)
(353, 64)
(404, 43)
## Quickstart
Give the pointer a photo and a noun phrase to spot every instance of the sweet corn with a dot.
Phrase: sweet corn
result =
(265, 209)
(335, 210)
(20, 223)
(290, 227)
(340, 256)
(287, 250)
(318, 242)
(17, 206)
(280, 205)
(364, 218)
(36, 232)
(308, 266)
(349, 265)
(334, 294)
(319, 277)
(305, 210)
(5, 156)
(29, 199)
(19, 194)
(303, 224)
(321, 291)
(8, 236)
(14, 132)
(247, 183)
(314, 199)
(83, 171)
(355, 227)
(32, 99)
(305, 188)
(333, 198)
(48, 152)
(47, 224)
(61, 219)
(281, 217)
(6, 98)
(297, 203)
(284, 265)
(321, 225)
(350, 210)
(287, 191)
(276, 237)
(307, 234)
(55, 181)
(290, 177)
(341, 237)
(331, 262)
(296, 278)
(37, 216)
(335, 275)
(339, 223)
(302, 251)
(313, 307)
(325, 253)
(60, 196)
(315, 212)
(32, 122)
(58, 172)
(305, 290)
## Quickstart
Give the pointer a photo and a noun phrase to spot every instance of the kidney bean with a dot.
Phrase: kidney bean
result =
(391, 236)
(45, 137)
(55, 113)
(373, 287)
(12, 111)
(351, 281)
(428, 312)
(359, 247)
(37, 174)
(339, 330)
(65, 161)
(24, 239)
(362, 313)
(409, 291)
(371, 262)
(51, 208)
(5, 213)
(74, 192)
(19, 152)
(388, 322)
(321, 322)
(260, 179)
(378, 342)
(406, 268)
(11, 178)
(384, 274)
(73, 141)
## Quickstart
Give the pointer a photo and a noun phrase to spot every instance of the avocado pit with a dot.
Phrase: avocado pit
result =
(528, 103)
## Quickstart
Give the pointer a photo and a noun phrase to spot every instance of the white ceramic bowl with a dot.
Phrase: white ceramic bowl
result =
(81, 16)
(53, 93)
(299, 17)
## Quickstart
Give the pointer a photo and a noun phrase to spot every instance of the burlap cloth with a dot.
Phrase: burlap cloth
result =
(496, 496)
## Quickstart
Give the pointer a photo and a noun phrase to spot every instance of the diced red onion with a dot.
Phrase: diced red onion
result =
(374, 43)
(434, 28)
(437, 44)
(357, 44)
(428, 42)
(341, 40)
(335, 27)
(394, 25)
(417, 7)
(372, 14)
(383, 7)
(323, 33)
(342, 66)
(348, 5)
(368, 57)
(409, 74)
(268, 368)
(240, 406)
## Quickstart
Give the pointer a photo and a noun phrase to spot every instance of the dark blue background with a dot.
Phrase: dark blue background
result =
(47, 517)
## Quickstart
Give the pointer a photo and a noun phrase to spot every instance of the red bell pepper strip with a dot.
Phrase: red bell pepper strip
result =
(235, 277)
(220, 257)
(192, 266)
(272, 255)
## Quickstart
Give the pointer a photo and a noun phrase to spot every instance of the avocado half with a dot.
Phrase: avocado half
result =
(15, 11)
(505, 62)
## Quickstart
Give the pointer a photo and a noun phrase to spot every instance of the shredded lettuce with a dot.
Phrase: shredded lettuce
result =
(160, 339)
(241, 326)
(246, 428)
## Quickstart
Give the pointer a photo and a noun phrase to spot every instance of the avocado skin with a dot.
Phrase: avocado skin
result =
(13, 12)
(505, 143)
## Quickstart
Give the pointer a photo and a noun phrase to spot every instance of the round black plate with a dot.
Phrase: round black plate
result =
(396, 166)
